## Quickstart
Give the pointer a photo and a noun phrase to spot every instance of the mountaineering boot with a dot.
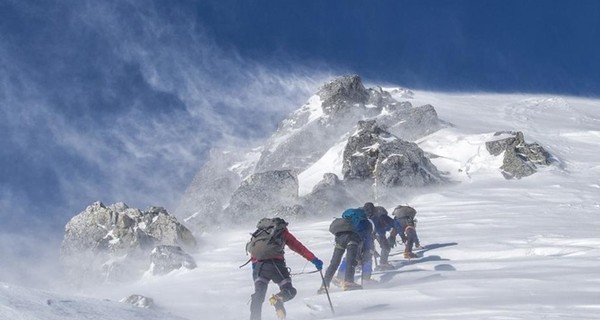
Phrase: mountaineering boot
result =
(384, 267)
(409, 255)
(347, 286)
(277, 302)
(337, 281)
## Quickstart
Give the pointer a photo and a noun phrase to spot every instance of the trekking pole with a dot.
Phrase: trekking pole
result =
(375, 255)
(327, 292)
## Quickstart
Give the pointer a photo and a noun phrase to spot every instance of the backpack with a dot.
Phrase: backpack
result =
(405, 215)
(404, 211)
(341, 225)
(267, 241)
(382, 221)
(358, 217)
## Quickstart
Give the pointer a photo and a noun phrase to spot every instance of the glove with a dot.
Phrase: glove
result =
(318, 263)
(392, 242)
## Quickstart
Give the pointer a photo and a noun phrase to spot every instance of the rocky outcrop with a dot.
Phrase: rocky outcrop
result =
(380, 98)
(373, 153)
(113, 243)
(139, 301)
(308, 133)
(327, 197)
(343, 93)
(521, 159)
(263, 194)
(304, 137)
(165, 259)
(410, 123)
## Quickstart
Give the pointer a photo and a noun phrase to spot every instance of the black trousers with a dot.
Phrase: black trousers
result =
(411, 239)
(264, 272)
(344, 242)
(385, 249)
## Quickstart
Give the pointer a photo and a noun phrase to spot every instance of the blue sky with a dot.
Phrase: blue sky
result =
(533, 46)
(120, 100)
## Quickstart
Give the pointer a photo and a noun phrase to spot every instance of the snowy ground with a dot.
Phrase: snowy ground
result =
(518, 249)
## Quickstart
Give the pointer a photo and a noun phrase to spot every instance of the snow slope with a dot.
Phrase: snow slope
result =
(500, 249)
(18, 303)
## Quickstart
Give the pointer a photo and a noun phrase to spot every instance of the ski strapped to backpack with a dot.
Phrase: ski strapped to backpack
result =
(267, 241)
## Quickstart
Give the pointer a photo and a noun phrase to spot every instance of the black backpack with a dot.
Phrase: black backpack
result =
(341, 225)
(267, 241)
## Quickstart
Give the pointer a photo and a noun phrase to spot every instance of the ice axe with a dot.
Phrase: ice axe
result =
(327, 292)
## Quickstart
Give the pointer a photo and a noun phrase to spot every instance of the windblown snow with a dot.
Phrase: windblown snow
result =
(498, 249)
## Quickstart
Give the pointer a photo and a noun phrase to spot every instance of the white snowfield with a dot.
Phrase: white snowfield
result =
(18, 303)
(499, 249)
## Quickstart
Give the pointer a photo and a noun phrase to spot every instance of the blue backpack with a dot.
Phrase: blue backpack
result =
(357, 216)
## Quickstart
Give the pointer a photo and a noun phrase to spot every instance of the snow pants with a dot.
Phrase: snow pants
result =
(345, 242)
(364, 258)
(411, 239)
(385, 249)
(264, 272)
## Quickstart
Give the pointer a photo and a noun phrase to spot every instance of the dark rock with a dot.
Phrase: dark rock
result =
(520, 158)
(113, 243)
(343, 93)
(373, 153)
(166, 258)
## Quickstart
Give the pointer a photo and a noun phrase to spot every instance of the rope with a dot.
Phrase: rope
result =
(304, 272)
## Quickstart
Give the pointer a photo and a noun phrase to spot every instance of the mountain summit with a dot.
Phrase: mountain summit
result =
(346, 145)
(233, 183)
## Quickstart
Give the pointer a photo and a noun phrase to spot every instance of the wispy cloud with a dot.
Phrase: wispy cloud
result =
(58, 119)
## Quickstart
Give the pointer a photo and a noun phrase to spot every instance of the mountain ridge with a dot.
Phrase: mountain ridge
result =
(320, 131)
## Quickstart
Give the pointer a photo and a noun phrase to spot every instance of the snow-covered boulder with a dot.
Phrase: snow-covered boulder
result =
(342, 94)
(139, 301)
(410, 123)
(380, 98)
(374, 154)
(521, 159)
(327, 197)
(165, 228)
(263, 194)
(165, 258)
(113, 243)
